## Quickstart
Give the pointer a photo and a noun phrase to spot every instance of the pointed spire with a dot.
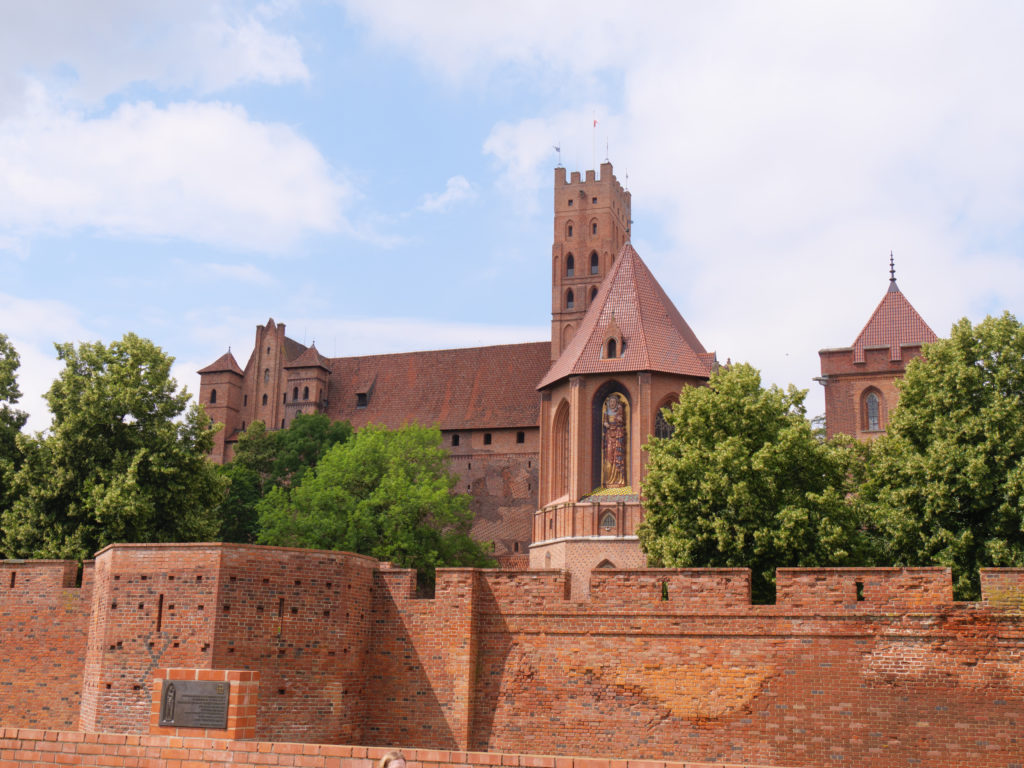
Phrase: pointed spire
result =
(226, 363)
(892, 274)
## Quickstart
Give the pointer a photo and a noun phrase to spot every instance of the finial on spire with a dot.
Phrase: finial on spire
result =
(892, 268)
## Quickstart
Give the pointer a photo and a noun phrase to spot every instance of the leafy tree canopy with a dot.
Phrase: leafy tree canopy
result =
(946, 484)
(124, 460)
(385, 493)
(744, 482)
(11, 419)
(266, 459)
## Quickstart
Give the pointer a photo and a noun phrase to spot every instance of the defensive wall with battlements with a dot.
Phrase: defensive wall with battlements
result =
(850, 667)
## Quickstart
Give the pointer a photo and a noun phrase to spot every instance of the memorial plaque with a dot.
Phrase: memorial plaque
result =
(194, 704)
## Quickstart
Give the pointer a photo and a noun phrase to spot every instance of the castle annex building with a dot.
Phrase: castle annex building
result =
(548, 436)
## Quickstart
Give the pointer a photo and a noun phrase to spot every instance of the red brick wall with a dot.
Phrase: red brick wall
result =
(26, 747)
(860, 667)
(44, 622)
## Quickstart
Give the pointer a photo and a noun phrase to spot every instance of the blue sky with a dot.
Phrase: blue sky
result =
(377, 175)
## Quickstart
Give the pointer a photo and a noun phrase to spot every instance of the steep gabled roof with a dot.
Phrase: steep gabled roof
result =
(224, 363)
(309, 358)
(473, 388)
(655, 336)
(894, 324)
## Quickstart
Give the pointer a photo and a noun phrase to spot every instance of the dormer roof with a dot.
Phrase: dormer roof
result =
(654, 335)
(309, 358)
(894, 324)
(226, 363)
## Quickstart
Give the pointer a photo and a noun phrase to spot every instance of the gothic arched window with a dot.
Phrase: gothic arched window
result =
(295, 394)
(264, 399)
(570, 265)
(661, 426)
(611, 349)
(213, 396)
(305, 393)
(872, 411)
(569, 299)
(607, 522)
(266, 375)
(593, 293)
(593, 262)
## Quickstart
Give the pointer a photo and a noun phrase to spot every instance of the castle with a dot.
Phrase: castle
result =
(548, 436)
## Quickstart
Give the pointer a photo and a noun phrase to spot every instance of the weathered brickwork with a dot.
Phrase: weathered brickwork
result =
(44, 623)
(32, 747)
(859, 667)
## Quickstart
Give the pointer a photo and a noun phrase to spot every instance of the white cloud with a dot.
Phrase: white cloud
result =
(203, 172)
(33, 326)
(87, 51)
(456, 190)
(244, 273)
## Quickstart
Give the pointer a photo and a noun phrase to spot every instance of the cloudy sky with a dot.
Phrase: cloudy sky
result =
(377, 173)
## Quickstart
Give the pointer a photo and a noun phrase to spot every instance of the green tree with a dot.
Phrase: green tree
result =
(267, 459)
(744, 481)
(946, 484)
(124, 460)
(11, 420)
(385, 493)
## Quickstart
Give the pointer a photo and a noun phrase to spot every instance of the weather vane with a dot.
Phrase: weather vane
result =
(558, 149)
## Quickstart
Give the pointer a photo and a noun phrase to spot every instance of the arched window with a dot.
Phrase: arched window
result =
(266, 375)
(606, 564)
(567, 333)
(264, 399)
(593, 262)
(593, 293)
(282, 423)
(570, 266)
(560, 444)
(305, 393)
(611, 349)
(610, 449)
(872, 411)
(569, 299)
(607, 525)
(295, 394)
(593, 228)
(661, 426)
(245, 400)
(568, 230)
(213, 396)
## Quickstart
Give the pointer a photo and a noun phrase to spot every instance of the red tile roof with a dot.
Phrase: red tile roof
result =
(894, 324)
(225, 362)
(655, 336)
(309, 358)
(479, 387)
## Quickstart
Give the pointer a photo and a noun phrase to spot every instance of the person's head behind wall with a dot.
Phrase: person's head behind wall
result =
(392, 759)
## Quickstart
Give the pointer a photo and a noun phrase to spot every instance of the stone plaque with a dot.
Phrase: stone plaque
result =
(194, 704)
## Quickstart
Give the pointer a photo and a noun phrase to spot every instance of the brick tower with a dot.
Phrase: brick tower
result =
(860, 380)
(592, 218)
(601, 400)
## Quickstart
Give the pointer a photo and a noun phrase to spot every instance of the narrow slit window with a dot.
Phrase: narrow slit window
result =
(213, 397)
(594, 263)
(570, 266)
(569, 299)
(305, 393)
(264, 399)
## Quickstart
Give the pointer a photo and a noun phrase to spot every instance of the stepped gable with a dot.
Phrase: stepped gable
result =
(474, 388)
(654, 333)
(308, 358)
(224, 363)
(894, 324)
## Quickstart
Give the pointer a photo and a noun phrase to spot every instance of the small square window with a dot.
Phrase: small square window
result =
(361, 399)
(487, 438)
(594, 200)
(570, 202)
(520, 437)
(455, 440)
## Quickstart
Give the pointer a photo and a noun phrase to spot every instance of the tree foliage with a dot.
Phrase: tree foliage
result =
(743, 481)
(946, 484)
(11, 419)
(266, 459)
(124, 460)
(384, 493)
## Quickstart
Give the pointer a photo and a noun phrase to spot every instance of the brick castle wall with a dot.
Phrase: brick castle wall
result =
(44, 624)
(865, 667)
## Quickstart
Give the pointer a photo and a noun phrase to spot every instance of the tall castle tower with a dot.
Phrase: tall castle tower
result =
(591, 224)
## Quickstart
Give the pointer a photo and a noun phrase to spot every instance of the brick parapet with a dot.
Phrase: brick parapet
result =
(31, 747)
